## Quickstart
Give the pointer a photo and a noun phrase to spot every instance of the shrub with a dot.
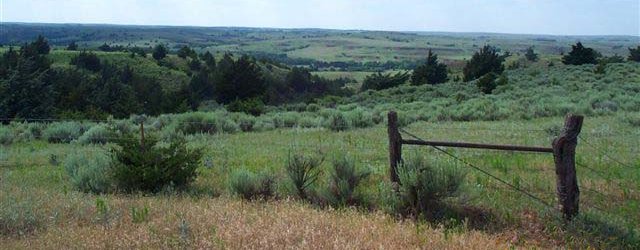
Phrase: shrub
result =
(90, 173)
(99, 134)
(487, 83)
(6, 136)
(62, 132)
(303, 172)
(252, 186)
(345, 178)
(424, 186)
(360, 118)
(337, 122)
(150, 166)
(253, 106)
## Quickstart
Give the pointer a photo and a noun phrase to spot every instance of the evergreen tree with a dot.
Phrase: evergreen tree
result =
(185, 52)
(209, 60)
(431, 72)
(634, 54)
(41, 45)
(299, 80)
(87, 60)
(380, 81)
(241, 79)
(531, 55)
(580, 55)
(482, 62)
(160, 52)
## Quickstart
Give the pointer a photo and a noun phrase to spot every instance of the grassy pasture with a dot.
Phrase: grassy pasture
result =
(40, 208)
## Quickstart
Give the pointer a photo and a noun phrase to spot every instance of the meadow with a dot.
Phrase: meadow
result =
(41, 208)
(54, 192)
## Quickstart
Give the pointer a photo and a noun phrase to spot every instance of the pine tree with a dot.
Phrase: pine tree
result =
(531, 55)
(431, 72)
(485, 61)
(580, 55)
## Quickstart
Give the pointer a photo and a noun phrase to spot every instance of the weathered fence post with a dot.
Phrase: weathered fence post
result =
(395, 145)
(564, 154)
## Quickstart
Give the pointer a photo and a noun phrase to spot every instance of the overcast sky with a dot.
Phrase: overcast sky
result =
(558, 17)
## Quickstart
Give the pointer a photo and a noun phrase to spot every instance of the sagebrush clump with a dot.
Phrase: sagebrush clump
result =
(423, 186)
(63, 132)
(90, 172)
(252, 186)
(343, 183)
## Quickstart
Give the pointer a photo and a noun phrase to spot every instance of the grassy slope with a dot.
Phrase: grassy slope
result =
(38, 194)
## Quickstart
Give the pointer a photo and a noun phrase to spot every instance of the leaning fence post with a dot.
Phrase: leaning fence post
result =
(564, 154)
(395, 145)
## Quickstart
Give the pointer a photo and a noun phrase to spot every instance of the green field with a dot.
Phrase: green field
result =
(39, 205)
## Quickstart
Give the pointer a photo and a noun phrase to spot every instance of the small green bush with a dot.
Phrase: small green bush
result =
(303, 172)
(98, 134)
(6, 136)
(423, 186)
(337, 122)
(252, 106)
(90, 173)
(63, 132)
(252, 186)
(343, 182)
(151, 166)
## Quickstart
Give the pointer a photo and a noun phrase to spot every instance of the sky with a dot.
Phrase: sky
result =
(555, 17)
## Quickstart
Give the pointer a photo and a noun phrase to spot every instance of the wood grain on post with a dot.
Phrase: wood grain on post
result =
(395, 145)
(564, 154)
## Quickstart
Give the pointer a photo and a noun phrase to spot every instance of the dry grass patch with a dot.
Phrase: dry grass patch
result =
(231, 223)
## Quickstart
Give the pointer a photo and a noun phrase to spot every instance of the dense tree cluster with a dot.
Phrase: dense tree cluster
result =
(531, 55)
(96, 88)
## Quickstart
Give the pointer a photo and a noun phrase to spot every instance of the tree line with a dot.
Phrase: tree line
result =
(92, 88)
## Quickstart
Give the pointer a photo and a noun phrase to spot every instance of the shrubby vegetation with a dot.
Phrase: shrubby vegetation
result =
(90, 173)
(252, 186)
(581, 55)
(485, 61)
(423, 186)
(147, 165)
(431, 72)
(344, 180)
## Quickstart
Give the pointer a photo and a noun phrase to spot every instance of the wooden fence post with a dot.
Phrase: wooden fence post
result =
(564, 154)
(395, 145)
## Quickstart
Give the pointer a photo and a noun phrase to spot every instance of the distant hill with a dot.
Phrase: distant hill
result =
(311, 44)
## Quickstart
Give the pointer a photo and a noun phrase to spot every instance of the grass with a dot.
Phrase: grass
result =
(496, 216)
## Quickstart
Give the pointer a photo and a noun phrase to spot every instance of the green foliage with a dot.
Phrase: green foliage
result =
(208, 123)
(337, 122)
(6, 135)
(139, 215)
(90, 173)
(431, 72)
(343, 183)
(380, 81)
(185, 52)
(423, 187)
(483, 62)
(72, 46)
(98, 134)
(87, 60)
(487, 83)
(19, 215)
(253, 106)
(580, 55)
(252, 186)
(62, 132)
(151, 166)
(303, 171)
(531, 55)
(634, 54)
(160, 51)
